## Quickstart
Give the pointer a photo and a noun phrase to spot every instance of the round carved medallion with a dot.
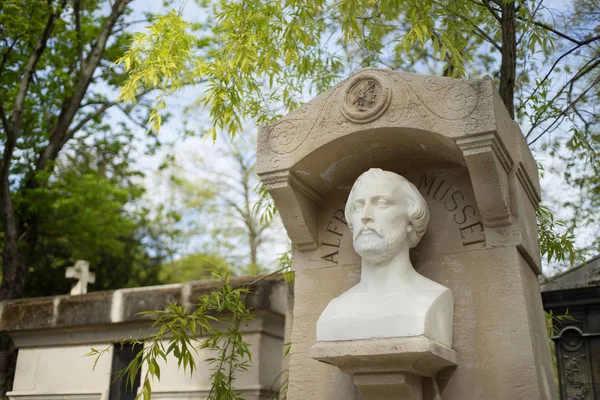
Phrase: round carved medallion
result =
(366, 99)
(571, 338)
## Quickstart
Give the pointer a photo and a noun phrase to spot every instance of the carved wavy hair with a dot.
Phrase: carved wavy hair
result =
(418, 211)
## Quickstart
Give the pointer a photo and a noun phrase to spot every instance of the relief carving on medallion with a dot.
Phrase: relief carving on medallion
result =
(366, 99)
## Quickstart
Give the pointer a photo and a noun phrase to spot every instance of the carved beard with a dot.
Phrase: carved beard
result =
(375, 248)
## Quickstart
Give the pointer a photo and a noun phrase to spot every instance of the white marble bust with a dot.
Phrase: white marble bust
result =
(388, 216)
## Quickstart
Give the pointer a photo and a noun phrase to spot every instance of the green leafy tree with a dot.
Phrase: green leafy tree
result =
(54, 57)
(223, 212)
(259, 59)
(88, 211)
(57, 81)
(577, 152)
(193, 267)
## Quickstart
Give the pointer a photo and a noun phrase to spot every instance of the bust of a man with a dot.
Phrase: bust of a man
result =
(388, 216)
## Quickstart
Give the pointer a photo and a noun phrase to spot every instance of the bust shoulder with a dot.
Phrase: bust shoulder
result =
(358, 314)
(439, 319)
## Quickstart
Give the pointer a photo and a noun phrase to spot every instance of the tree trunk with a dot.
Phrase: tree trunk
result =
(13, 283)
(20, 237)
(508, 69)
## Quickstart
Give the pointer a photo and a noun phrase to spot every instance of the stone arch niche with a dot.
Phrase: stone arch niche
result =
(456, 142)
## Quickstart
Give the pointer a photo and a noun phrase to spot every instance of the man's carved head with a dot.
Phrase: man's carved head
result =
(385, 212)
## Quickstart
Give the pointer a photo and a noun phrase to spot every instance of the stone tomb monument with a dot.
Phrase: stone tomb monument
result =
(462, 154)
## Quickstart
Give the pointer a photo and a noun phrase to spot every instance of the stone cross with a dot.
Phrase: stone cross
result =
(81, 272)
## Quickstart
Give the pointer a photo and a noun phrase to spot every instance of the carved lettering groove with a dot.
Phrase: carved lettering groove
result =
(334, 234)
(470, 226)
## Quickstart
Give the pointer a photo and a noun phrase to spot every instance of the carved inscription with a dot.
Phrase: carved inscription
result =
(464, 215)
(333, 236)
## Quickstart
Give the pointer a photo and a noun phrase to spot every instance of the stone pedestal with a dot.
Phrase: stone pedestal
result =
(454, 140)
(387, 368)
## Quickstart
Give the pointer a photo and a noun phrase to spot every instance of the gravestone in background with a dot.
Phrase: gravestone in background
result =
(454, 140)
(54, 334)
(576, 292)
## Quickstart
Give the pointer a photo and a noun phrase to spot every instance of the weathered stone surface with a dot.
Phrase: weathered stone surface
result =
(135, 301)
(124, 305)
(259, 380)
(259, 297)
(27, 313)
(584, 275)
(429, 122)
(62, 372)
(417, 355)
(387, 368)
(498, 325)
(81, 272)
(94, 308)
(310, 379)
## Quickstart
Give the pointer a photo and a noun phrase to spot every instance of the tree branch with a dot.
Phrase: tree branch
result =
(60, 134)
(508, 68)
(547, 76)
(478, 31)
(482, 34)
(494, 12)
(77, 13)
(88, 118)
(130, 117)
(531, 16)
(588, 67)
(556, 32)
(12, 133)
(5, 123)
(563, 112)
(124, 26)
(7, 53)
(14, 256)
(105, 106)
